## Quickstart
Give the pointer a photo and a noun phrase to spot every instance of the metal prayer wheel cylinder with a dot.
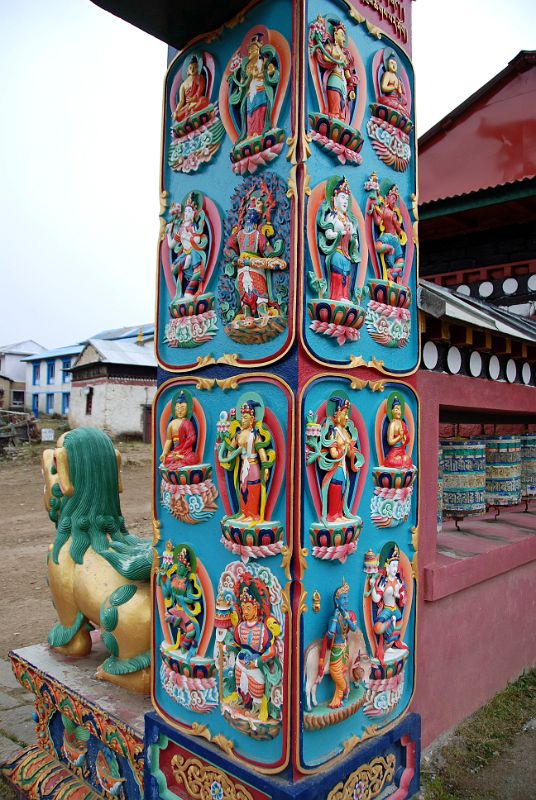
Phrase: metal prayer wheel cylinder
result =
(503, 470)
(464, 479)
(440, 489)
(528, 466)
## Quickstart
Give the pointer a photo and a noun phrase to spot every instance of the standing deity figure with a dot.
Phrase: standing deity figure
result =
(256, 668)
(182, 597)
(247, 451)
(336, 641)
(252, 88)
(391, 86)
(254, 254)
(181, 436)
(397, 438)
(192, 91)
(383, 207)
(327, 45)
(188, 242)
(388, 594)
(338, 238)
(337, 457)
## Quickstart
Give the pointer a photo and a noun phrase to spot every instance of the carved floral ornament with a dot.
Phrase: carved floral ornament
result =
(203, 781)
(366, 782)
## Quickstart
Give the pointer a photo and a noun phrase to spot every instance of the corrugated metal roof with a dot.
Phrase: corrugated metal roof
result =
(118, 351)
(125, 332)
(22, 347)
(438, 301)
(46, 355)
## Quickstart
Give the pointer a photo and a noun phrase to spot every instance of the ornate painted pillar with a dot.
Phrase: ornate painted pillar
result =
(285, 430)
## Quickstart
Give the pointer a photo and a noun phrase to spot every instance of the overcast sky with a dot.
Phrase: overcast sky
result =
(80, 149)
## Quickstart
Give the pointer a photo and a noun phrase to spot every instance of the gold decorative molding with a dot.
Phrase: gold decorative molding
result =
(198, 778)
(360, 19)
(415, 566)
(205, 361)
(292, 142)
(377, 386)
(224, 744)
(307, 139)
(376, 364)
(163, 208)
(292, 191)
(236, 20)
(302, 608)
(228, 358)
(201, 730)
(227, 383)
(156, 531)
(286, 552)
(306, 181)
(285, 603)
(357, 361)
(414, 206)
(205, 384)
(349, 745)
(415, 538)
(358, 384)
(303, 553)
(370, 779)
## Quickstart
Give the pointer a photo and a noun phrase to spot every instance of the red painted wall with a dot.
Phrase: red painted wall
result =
(471, 643)
(492, 143)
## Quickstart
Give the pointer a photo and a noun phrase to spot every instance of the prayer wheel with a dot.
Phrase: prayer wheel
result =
(528, 466)
(464, 478)
(503, 470)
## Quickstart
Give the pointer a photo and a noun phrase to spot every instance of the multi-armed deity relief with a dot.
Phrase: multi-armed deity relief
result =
(188, 252)
(251, 95)
(360, 464)
(389, 237)
(249, 649)
(264, 523)
(185, 601)
(338, 79)
(254, 283)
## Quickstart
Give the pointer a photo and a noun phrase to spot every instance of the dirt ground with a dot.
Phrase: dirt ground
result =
(26, 611)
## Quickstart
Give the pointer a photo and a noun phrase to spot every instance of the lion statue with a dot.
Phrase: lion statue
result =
(98, 573)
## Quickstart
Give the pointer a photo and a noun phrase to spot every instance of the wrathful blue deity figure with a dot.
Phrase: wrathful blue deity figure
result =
(336, 641)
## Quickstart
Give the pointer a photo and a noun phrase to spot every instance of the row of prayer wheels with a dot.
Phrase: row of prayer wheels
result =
(485, 471)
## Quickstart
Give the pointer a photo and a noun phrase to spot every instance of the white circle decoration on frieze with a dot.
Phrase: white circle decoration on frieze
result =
(510, 286)
(525, 373)
(475, 364)
(511, 370)
(531, 283)
(454, 360)
(430, 355)
(485, 289)
(494, 368)
(464, 289)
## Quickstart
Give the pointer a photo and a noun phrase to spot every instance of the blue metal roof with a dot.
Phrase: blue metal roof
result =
(46, 355)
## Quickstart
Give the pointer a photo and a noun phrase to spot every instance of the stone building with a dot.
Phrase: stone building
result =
(113, 385)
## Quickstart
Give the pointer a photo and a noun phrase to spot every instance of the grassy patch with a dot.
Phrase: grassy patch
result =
(479, 740)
